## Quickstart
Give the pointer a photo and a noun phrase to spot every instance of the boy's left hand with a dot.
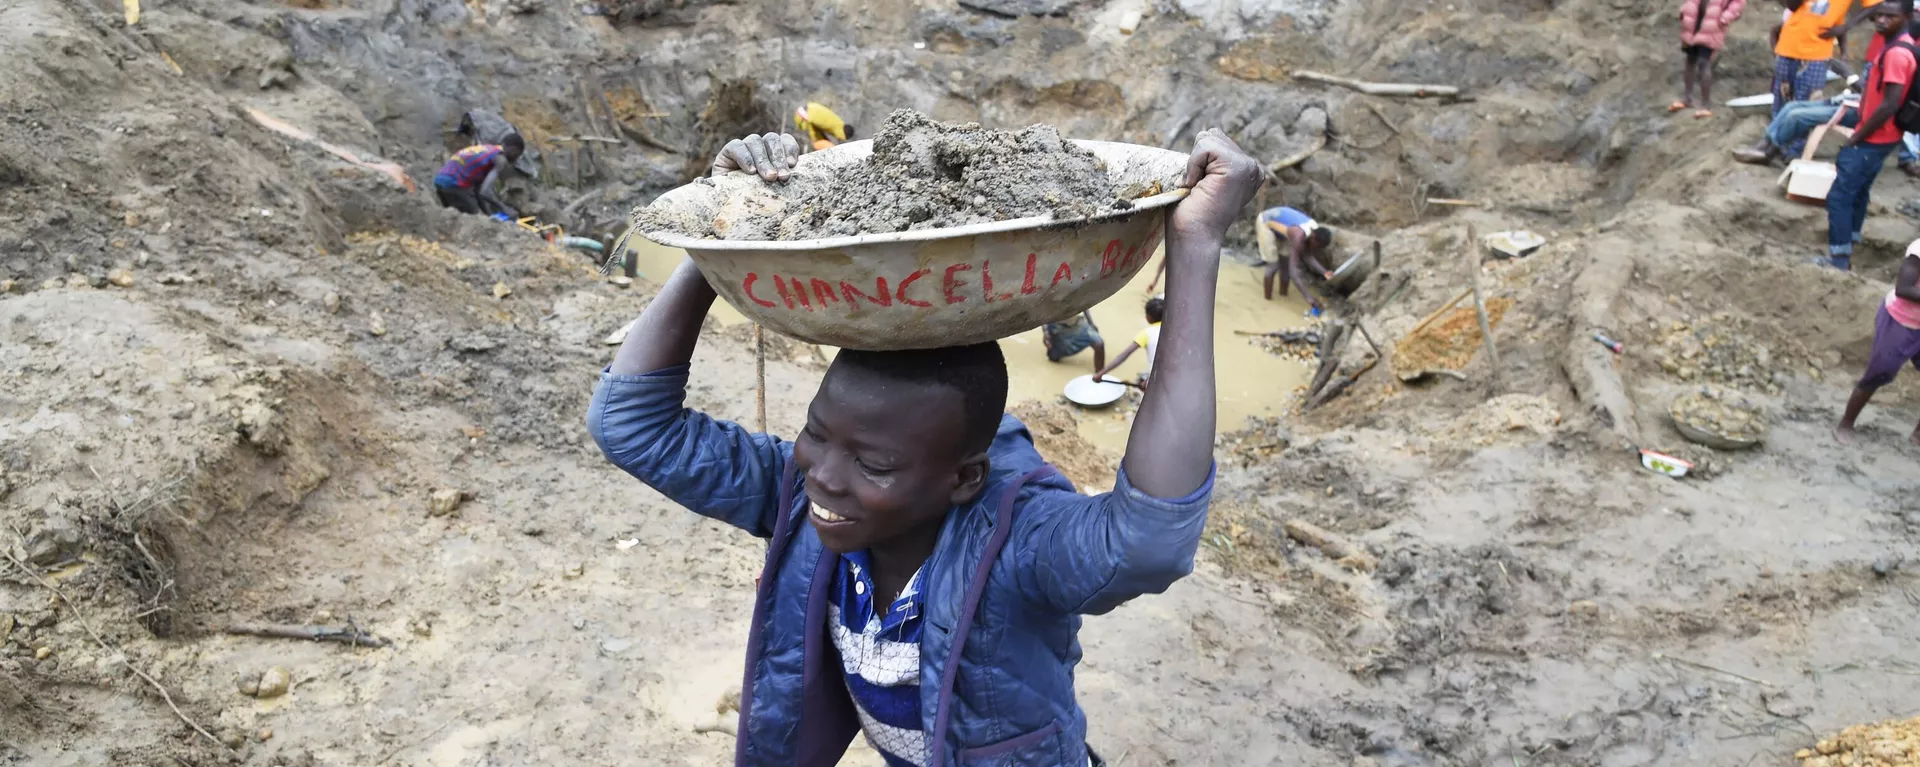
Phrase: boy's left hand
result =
(1223, 179)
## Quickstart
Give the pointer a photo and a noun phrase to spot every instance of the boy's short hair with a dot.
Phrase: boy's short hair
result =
(978, 372)
(513, 143)
(1156, 309)
(1321, 236)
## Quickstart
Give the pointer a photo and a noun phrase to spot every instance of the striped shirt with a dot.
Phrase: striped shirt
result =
(468, 167)
(880, 656)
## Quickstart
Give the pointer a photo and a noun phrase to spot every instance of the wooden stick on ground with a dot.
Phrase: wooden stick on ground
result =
(114, 651)
(350, 635)
(1480, 304)
(1442, 310)
(1383, 118)
(1332, 544)
(760, 374)
(1319, 142)
(1453, 202)
(1380, 89)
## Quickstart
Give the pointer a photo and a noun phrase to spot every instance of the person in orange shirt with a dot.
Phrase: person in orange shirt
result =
(1804, 45)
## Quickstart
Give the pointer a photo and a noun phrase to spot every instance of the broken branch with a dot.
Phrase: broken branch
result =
(1381, 89)
(1332, 544)
(1301, 156)
(350, 635)
(114, 651)
(1479, 304)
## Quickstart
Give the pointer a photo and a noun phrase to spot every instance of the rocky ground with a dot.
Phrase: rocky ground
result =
(247, 382)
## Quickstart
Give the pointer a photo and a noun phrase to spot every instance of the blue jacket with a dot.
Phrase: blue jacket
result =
(1006, 584)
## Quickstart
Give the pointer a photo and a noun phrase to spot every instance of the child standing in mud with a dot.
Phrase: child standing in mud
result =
(1703, 32)
(927, 569)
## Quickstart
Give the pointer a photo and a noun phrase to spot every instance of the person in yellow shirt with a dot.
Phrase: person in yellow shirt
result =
(1804, 45)
(1148, 339)
(822, 126)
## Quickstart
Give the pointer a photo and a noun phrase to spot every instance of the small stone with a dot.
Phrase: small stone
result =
(248, 686)
(500, 290)
(574, 571)
(97, 280)
(8, 286)
(1827, 747)
(121, 278)
(331, 301)
(174, 278)
(445, 502)
(614, 645)
(131, 219)
(1805, 753)
(78, 281)
(579, 623)
(265, 734)
(1583, 607)
(233, 739)
(620, 281)
(1766, 572)
(274, 683)
(376, 326)
(421, 627)
(42, 653)
(1884, 567)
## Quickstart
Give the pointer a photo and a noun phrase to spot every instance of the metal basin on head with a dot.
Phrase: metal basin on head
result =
(936, 287)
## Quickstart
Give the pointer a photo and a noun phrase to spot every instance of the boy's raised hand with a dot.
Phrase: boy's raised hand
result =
(770, 155)
(1222, 179)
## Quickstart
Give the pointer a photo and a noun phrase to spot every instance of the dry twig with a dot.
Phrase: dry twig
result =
(112, 650)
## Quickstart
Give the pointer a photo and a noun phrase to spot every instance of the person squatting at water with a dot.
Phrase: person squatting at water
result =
(1306, 240)
(927, 569)
(470, 180)
(1073, 335)
(1148, 338)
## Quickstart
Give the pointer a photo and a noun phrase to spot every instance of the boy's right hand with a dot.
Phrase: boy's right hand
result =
(770, 155)
(1222, 179)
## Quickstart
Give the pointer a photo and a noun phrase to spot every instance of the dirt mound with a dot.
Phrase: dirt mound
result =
(922, 175)
(1447, 343)
(1056, 435)
(1892, 743)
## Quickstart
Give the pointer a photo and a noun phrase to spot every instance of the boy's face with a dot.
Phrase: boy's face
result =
(1887, 18)
(883, 459)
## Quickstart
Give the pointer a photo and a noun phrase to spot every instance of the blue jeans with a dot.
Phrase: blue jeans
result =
(1858, 166)
(1790, 126)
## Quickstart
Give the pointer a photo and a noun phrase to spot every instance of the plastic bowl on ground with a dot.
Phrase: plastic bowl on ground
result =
(1086, 392)
(936, 287)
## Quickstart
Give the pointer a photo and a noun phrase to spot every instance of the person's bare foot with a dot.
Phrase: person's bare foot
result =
(1844, 435)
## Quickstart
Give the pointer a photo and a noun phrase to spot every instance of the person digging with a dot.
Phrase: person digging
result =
(1073, 335)
(926, 569)
(469, 182)
(1896, 343)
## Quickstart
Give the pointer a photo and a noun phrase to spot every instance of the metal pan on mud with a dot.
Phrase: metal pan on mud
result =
(935, 287)
(1086, 392)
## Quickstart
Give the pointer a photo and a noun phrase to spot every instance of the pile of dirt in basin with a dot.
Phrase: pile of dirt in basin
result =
(922, 174)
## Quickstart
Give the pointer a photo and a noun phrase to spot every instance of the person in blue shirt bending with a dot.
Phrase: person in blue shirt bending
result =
(926, 569)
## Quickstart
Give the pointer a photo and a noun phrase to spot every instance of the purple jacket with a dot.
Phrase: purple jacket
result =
(1006, 584)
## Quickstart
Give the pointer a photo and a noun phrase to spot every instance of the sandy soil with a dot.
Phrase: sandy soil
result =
(249, 382)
